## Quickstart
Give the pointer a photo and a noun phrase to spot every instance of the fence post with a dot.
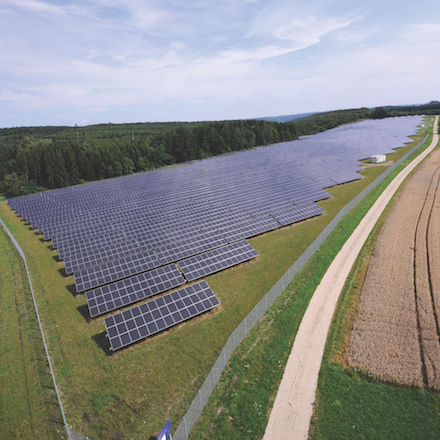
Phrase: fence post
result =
(184, 425)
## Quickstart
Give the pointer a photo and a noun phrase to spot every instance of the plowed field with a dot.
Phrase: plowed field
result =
(396, 335)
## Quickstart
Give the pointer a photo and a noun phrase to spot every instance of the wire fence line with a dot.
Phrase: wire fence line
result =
(190, 418)
(72, 435)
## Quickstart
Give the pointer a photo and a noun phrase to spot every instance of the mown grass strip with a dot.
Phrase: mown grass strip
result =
(29, 407)
(241, 403)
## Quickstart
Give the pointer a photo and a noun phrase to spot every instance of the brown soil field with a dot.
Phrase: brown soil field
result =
(396, 334)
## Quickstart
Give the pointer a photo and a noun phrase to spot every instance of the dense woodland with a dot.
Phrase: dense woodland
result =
(39, 158)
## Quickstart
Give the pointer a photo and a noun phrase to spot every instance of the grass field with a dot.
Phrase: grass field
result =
(130, 394)
(29, 407)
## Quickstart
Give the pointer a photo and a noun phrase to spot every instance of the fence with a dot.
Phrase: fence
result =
(72, 435)
(190, 418)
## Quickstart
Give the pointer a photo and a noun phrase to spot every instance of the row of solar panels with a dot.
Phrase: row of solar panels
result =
(159, 314)
(119, 294)
(99, 266)
(393, 139)
(291, 193)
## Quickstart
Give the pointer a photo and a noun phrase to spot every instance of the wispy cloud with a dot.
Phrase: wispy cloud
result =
(304, 32)
(206, 59)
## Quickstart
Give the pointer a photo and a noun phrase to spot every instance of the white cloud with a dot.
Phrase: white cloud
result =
(35, 6)
(304, 32)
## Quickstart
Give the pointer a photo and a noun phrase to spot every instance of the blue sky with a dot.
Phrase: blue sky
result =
(86, 62)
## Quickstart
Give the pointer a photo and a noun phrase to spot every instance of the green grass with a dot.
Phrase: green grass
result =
(131, 393)
(353, 406)
(28, 404)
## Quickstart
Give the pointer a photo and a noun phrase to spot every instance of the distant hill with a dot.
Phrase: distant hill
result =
(287, 118)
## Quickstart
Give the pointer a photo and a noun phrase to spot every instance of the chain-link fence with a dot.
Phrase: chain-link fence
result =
(196, 407)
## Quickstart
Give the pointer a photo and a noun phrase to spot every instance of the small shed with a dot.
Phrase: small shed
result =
(378, 158)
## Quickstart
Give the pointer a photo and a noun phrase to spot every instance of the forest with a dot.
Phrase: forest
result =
(35, 159)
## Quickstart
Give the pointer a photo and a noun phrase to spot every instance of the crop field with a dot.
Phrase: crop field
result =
(396, 336)
(130, 394)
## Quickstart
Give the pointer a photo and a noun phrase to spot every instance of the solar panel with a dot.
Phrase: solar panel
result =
(302, 212)
(159, 314)
(88, 257)
(116, 295)
(192, 246)
(91, 277)
(249, 229)
(216, 260)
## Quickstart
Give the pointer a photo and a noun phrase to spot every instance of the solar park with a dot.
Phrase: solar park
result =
(130, 242)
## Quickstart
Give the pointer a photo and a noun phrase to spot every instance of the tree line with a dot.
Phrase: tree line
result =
(44, 159)
(39, 158)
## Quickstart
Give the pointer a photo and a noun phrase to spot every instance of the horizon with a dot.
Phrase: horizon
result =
(214, 120)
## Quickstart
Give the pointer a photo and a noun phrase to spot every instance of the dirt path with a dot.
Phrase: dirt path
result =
(396, 335)
(293, 406)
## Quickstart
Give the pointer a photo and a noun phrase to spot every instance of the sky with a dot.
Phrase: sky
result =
(70, 62)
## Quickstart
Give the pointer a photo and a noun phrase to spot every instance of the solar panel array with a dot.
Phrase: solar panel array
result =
(113, 296)
(159, 314)
(216, 260)
(118, 236)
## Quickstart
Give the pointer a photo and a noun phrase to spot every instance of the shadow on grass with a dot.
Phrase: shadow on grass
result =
(84, 311)
(62, 271)
(103, 343)
(71, 288)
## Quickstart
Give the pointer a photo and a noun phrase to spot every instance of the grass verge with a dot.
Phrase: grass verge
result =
(29, 407)
(130, 394)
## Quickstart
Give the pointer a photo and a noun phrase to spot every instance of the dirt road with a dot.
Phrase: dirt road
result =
(293, 406)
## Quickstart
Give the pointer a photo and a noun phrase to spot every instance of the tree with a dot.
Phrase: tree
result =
(12, 185)
(127, 166)
(379, 113)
